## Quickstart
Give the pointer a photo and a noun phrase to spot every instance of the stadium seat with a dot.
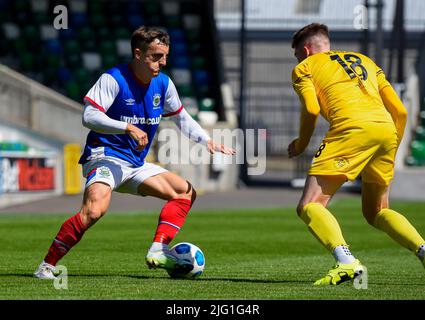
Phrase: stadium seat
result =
(199, 63)
(123, 48)
(107, 47)
(172, 22)
(89, 45)
(53, 46)
(132, 7)
(4, 5)
(85, 34)
(418, 149)
(179, 48)
(420, 133)
(192, 22)
(181, 76)
(78, 6)
(171, 8)
(52, 61)
(26, 61)
(41, 18)
(66, 34)
(72, 47)
(19, 45)
(78, 20)
(82, 76)
(50, 75)
(97, 20)
(95, 7)
(195, 49)
(135, 21)
(47, 32)
(181, 62)
(109, 60)
(73, 61)
(193, 35)
(176, 35)
(31, 33)
(98, 38)
(185, 90)
(20, 6)
(64, 75)
(73, 90)
(152, 8)
(91, 61)
(122, 33)
(201, 77)
(11, 31)
(206, 104)
(39, 6)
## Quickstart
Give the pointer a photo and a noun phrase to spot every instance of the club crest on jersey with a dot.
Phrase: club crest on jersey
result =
(340, 163)
(156, 100)
(129, 102)
(104, 172)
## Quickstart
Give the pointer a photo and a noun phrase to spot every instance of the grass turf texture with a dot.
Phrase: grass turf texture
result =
(250, 254)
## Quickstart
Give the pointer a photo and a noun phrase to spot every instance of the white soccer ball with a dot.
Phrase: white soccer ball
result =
(191, 253)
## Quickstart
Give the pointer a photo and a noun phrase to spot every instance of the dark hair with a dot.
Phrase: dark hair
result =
(308, 31)
(143, 36)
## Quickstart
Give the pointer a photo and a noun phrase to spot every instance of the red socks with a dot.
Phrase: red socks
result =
(68, 236)
(171, 219)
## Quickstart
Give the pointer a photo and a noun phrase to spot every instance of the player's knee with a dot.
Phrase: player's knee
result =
(300, 207)
(92, 214)
(370, 212)
(189, 193)
(369, 215)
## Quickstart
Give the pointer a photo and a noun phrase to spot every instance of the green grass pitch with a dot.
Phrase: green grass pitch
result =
(250, 254)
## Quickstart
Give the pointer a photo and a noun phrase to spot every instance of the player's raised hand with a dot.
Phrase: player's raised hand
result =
(292, 149)
(218, 147)
(138, 135)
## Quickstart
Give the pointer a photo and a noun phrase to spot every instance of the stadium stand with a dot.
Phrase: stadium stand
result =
(70, 60)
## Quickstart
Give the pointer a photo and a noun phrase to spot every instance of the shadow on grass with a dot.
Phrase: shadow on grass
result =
(24, 275)
(240, 280)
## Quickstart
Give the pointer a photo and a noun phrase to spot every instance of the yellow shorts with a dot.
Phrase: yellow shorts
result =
(369, 149)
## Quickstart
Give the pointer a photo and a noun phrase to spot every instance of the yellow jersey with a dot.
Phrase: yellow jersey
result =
(347, 86)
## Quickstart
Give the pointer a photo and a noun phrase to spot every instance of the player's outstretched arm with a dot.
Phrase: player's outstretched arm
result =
(191, 129)
(218, 147)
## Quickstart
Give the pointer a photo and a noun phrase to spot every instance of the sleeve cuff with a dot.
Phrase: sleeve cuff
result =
(94, 104)
(174, 112)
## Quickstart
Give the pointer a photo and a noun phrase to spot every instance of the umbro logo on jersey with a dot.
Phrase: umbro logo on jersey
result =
(129, 102)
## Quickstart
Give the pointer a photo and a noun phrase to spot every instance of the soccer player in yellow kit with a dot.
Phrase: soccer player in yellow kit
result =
(367, 121)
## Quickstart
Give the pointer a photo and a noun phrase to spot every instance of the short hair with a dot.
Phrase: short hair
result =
(309, 31)
(143, 36)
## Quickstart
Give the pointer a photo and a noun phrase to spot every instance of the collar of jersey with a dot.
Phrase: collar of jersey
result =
(144, 85)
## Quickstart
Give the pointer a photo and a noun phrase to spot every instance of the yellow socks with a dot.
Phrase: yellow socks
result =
(399, 229)
(323, 225)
